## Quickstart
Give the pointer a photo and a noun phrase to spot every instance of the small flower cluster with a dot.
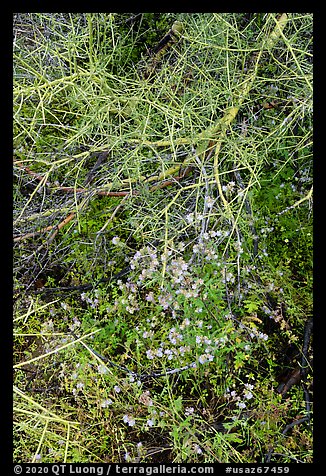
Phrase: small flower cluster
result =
(102, 369)
(189, 411)
(151, 353)
(265, 230)
(277, 316)
(203, 346)
(185, 344)
(130, 298)
(258, 335)
(197, 449)
(191, 218)
(116, 240)
(305, 176)
(47, 326)
(206, 246)
(185, 323)
(129, 420)
(140, 451)
(65, 306)
(174, 336)
(153, 414)
(147, 260)
(207, 357)
(79, 387)
(192, 292)
(229, 188)
(145, 399)
(239, 399)
(150, 297)
(92, 302)
(75, 324)
(106, 403)
(227, 277)
(165, 299)
(177, 268)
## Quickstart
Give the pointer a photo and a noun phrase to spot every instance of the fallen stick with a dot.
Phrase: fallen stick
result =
(48, 228)
(125, 194)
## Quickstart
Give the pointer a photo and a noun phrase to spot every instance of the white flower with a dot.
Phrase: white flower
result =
(102, 369)
(190, 218)
(241, 405)
(149, 354)
(106, 403)
(148, 334)
(202, 359)
(115, 240)
(210, 202)
(169, 353)
(137, 256)
(145, 399)
(198, 449)
(196, 249)
(128, 419)
(247, 394)
(150, 297)
(262, 336)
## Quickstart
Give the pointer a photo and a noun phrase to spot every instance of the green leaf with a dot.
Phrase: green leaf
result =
(233, 437)
(251, 306)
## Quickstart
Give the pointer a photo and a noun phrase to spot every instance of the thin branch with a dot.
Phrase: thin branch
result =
(44, 230)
